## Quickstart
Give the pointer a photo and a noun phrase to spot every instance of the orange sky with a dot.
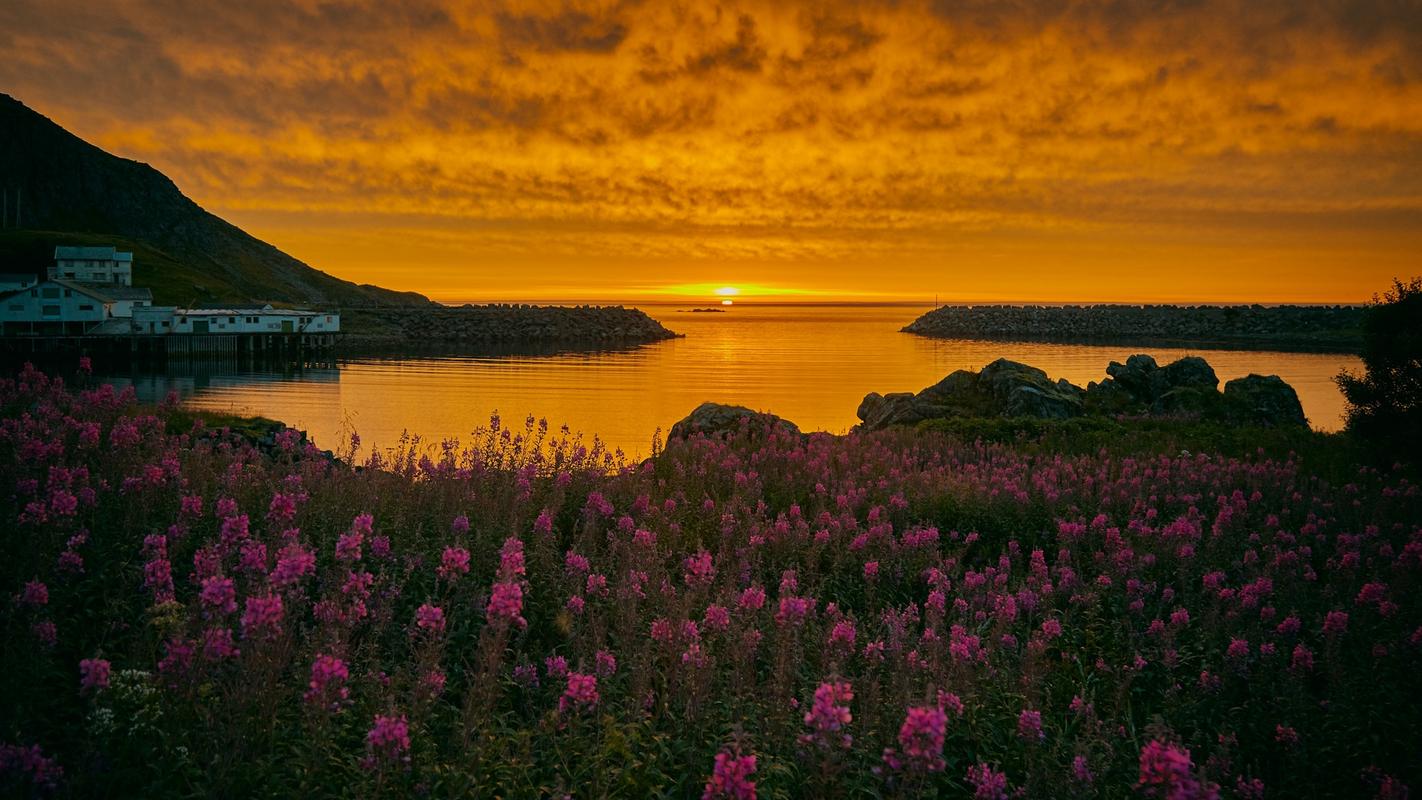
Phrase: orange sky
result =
(1240, 150)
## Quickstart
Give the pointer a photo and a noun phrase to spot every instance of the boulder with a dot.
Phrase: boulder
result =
(1139, 376)
(1264, 400)
(718, 419)
(1191, 372)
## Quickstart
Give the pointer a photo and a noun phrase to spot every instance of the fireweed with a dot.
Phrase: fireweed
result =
(890, 613)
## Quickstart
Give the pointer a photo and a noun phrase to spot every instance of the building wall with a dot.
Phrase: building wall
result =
(120, 272)
(48, 308)
(257, 322)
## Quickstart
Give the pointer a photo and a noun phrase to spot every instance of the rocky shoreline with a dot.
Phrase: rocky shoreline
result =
(1186, 389)
(499, 324)
(1317, 328)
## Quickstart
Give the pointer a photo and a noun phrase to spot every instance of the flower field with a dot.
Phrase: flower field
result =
(192, 612)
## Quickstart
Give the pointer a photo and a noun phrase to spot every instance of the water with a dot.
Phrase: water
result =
(809, 364)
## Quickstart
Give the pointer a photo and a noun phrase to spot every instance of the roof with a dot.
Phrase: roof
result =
(98, 292)
(118, 292)
(242, 312)
(68, 252)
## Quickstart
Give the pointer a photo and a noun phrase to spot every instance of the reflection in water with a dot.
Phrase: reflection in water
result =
(811, 365)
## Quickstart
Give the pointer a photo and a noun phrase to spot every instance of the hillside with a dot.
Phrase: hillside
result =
(75, 193)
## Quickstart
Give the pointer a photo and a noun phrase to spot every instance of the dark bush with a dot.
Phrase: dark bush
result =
(1385, 402)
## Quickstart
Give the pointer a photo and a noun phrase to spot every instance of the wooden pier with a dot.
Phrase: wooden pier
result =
(162, 347)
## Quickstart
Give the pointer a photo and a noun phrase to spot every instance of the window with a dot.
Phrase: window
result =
(50, 311)
(231, 320)
(68, 293)
(51, 294)
(17, 306)
(86, 307)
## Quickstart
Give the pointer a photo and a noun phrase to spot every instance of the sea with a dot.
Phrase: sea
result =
(811, 364)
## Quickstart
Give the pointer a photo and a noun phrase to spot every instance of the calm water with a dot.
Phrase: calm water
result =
(811, 365)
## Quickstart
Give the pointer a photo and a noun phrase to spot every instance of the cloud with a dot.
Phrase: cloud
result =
(875, 137)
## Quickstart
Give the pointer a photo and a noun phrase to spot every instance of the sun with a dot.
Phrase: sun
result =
(728, 302)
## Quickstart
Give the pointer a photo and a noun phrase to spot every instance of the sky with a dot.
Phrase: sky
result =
(1029, 150)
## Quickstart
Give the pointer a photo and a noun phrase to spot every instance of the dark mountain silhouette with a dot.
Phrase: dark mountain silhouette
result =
(72, 192)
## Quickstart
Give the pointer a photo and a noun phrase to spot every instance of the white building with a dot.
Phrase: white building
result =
(15, 281)
(63, 307)
(166, 319)
(92, 265)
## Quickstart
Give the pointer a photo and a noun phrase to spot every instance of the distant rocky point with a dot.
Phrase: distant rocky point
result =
(1322, 328)
(500, 323)
(1187, 387)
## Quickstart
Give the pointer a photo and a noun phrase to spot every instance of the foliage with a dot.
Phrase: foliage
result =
(1385, 402)
(194, 611)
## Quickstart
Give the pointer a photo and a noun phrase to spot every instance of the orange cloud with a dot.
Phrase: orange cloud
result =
(1220, 150)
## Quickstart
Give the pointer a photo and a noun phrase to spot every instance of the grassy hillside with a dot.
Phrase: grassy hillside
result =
(76, 193)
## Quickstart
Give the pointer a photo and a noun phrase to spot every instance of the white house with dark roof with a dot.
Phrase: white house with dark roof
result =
(92, 265)
(63, 307)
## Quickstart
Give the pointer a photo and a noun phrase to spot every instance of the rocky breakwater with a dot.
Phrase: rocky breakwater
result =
(1325, 328)
(1184, 388)
(502, 324)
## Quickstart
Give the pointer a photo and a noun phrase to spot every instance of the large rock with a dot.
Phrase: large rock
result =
(1002, 388)
(717, 419)
(1186, 387)
(1264, 400)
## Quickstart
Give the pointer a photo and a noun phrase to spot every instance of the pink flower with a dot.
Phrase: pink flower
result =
(871, 570)
(262, 616)
(921, 740)
(506, 605)
(828, 715)
(606, 664)
(1166, 772)
(731, 778)
(511, 559)
(700, 570)
(348, 546)
(988, 783)
(454, 561)
(430, 618)
(1335, 623)
(388, 741)
(717, 618)
(460, 525)
(581, 692)
(327, 687)
(842, 636)
(34, 594)
(752, 599)
(1029, 725)
(93, 674)
(218, 596)
(217, 645)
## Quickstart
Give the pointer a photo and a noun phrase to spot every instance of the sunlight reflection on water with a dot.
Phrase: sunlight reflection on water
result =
(811, 365)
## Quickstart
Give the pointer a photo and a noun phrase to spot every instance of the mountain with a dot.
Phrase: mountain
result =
(72, 192)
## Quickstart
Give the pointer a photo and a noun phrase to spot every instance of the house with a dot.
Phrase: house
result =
(244, 319)
(14, 281)
(92, 265)
(63, 307)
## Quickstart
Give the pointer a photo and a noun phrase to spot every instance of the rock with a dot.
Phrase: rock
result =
(716, 419)
(1138, 376)
(1264, 400)
(1193, 372)
(1004, 388)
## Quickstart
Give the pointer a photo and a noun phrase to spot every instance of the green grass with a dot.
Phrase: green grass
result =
(174, 281)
